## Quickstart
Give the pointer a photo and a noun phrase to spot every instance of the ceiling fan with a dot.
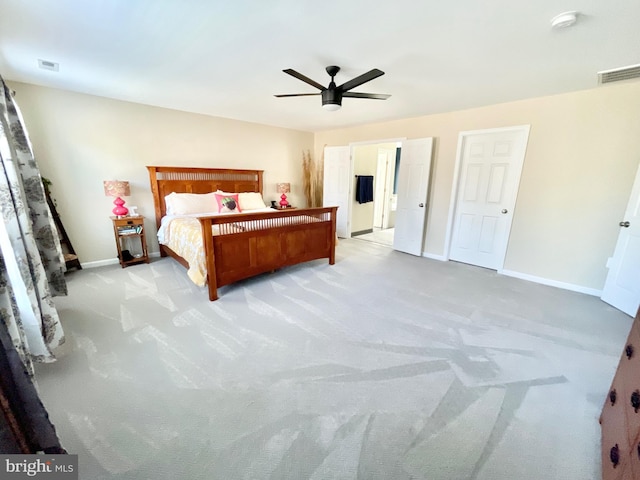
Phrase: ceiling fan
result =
(332, 95)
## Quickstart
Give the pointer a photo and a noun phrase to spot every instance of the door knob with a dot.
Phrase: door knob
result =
(421, 204)
(625, 224)
(504, 210)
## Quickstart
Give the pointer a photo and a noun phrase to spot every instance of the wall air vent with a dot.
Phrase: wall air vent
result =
(619, 74)
(47, 65)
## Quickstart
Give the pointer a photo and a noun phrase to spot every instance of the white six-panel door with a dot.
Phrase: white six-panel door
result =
(490, 164)
(336, 189)
(622, 287)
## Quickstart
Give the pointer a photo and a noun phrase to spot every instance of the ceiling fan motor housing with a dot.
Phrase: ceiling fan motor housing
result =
(332, 96)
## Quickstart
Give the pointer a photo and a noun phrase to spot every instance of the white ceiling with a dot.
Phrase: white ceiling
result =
(225, 58)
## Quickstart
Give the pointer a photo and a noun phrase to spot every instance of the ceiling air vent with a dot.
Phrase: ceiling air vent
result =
(47, 65)
(619, 74)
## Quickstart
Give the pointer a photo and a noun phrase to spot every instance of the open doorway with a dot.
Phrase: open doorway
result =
(373, 217)
(407, 205)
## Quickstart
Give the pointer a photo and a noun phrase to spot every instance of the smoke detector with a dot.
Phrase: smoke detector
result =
(564, 20)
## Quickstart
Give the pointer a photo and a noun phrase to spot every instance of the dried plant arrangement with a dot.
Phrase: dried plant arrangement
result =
(312, 175)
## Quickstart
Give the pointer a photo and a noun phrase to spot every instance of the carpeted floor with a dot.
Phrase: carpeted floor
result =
(382, 366)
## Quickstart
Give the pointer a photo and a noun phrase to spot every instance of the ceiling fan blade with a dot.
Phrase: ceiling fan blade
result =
(299, 76)
(365, 77)
(297, 94)
(375, 96)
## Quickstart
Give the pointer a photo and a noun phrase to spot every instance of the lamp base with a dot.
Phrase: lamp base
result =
(283, 201)
(120, 210)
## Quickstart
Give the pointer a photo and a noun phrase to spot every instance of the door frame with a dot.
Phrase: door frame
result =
(453, 202)
(353, 145)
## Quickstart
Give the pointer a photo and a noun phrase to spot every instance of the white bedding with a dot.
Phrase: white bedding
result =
(164, 231)
(188, 241)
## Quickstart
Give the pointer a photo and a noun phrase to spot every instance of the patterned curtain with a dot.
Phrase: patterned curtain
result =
(31, 265)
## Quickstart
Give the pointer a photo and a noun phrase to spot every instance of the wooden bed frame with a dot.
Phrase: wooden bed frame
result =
(277, 239)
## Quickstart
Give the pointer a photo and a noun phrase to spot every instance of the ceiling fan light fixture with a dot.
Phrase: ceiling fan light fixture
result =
(331, 107)
(331, 99)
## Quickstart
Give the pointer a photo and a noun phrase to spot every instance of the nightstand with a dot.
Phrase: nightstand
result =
(284, 208)
(130, 239)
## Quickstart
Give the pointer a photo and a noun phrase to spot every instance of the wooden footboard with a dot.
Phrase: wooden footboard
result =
(251, 244)
(246, 244)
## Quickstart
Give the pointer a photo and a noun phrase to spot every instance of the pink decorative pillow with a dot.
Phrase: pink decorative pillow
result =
(228, 203)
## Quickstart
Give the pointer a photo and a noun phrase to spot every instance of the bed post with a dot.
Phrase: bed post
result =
(207, 240)
(332, 253)
(153, 180)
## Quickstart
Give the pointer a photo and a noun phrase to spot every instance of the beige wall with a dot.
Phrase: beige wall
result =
(583, 152)
(80, 140)
(365, 161)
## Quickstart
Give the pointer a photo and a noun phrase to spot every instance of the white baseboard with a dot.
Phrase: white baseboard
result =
(433, 256)
(111, 261)
(99, 263)
(552, 283)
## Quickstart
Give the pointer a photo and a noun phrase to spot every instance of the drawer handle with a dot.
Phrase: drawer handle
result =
(614, 455)
(613, 395)
(629, 351)
(635, 400)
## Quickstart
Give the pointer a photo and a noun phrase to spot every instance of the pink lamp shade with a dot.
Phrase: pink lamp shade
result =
(117, 188)
(284, 188)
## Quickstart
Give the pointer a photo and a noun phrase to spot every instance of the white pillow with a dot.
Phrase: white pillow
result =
(250, 201)
(188, 203)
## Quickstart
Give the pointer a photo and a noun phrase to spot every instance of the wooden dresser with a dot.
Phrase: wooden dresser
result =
(620, 419)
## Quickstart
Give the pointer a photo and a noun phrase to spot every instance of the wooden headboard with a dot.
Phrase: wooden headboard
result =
(165, 180)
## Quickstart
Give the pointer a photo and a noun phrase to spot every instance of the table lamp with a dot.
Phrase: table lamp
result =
(284, 188)
(117, 188)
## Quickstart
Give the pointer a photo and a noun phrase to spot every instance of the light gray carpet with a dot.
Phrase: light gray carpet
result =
(382, 366)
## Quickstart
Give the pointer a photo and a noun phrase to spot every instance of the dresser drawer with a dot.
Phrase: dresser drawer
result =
(620, 419)
(615, 437)
(634, 460)
(629, 374)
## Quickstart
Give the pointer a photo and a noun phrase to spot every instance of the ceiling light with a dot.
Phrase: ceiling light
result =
(564, 20)
(331, 107)
(332, 98)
